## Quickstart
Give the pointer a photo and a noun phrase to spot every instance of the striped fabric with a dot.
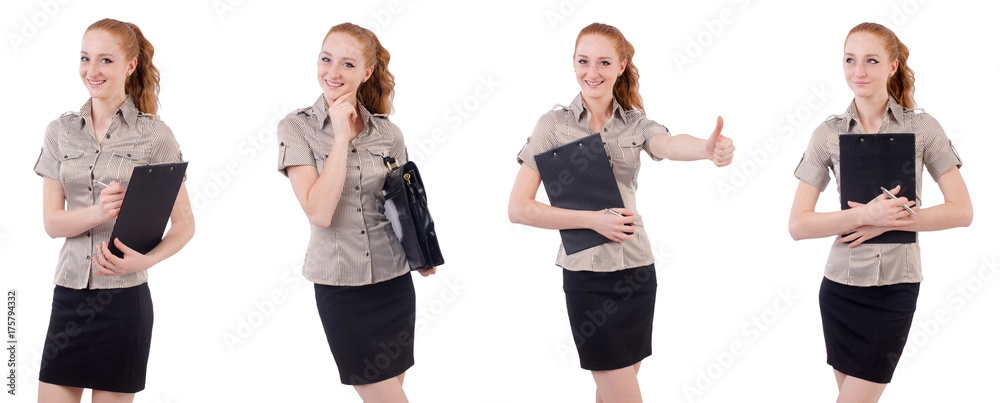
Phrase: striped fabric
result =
(360, 247)
(624, 136)
(71, 156)
(876, 264)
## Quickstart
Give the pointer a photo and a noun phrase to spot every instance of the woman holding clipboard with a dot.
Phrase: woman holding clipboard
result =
(333, 153)
(609, 104)
(869, 290)
(102, 313)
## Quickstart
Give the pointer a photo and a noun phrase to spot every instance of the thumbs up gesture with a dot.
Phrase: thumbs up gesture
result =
(718, 148)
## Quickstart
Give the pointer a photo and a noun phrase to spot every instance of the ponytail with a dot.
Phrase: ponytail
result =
(900, 85)
(143, 85)
(626, 89)
(377, 92)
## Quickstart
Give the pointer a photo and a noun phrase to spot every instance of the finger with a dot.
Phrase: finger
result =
(895, 190)
(121, 246)
(724, 143)
(849, 237)
(852, 204)
(714, 137)
(859, 241)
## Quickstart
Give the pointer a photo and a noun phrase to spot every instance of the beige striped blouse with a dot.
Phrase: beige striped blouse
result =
(72, 156)
(624, 137)
(876, 264)
(360, 247)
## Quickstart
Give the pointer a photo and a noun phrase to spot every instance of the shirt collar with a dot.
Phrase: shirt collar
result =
(320, 112)
(127, 110)
(893, 110)
(578, 107)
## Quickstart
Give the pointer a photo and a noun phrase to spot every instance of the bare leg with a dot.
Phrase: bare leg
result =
(635, 367)
(618, 386)
(48, 392)
(400, 377)
(840, 378)
(855, 390)
(103, 396)
(387, 391)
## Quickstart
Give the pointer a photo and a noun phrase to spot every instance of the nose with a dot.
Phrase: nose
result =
(92, 70)
(860, 70)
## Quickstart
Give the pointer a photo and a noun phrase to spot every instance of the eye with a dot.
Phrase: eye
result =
(872, 61)
(849, 60)
(107, 61)
(84, 59)
(349, 65)
(325, 59)
(582, 61)
(605, 63)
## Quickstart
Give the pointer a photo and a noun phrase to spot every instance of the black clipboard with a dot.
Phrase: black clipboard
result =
(149, 199)
(869, 162)
(578, 176)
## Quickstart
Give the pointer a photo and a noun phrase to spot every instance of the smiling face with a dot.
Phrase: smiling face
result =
(341, 66)
(103, 65)
(867, 66)
(597, 67)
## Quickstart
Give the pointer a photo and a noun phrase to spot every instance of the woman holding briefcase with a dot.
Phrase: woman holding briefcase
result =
(333, 153)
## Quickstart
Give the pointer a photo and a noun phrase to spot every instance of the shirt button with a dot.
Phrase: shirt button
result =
(354, 150)
(66, 156)
(359, 209)
(107, 136)
(128, 155)
(89, 189)
(88, 235)
(357, 188)
(97, 151)
(282, 144)
(362, 232)
(366, 253)
(90, 167)
(605, 129)
(88, 257)
(359, 168)
(326, 156)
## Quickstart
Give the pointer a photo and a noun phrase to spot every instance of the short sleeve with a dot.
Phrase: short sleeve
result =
(166, 149)
(939, 154)
(542, 138)
(814, 168)
(649, 128)
(293, 149)
(48, 164)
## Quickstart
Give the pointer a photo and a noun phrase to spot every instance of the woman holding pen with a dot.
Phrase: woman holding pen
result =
(869, 290)
(609, 104)
(332, 152)
(102, 313)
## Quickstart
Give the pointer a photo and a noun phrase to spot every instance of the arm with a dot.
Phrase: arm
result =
(60, 223)
(181, 231)
(319, 193)
(956, 211)
(682, 147)
(524, 209)
(805, 223)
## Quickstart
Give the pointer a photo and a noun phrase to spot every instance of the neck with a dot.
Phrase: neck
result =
(104, 108)
(872, 108)
(599, 107)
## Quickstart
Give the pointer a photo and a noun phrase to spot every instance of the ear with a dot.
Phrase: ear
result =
(131, 66)
(368, 72)
(621, 67)
(893, 67)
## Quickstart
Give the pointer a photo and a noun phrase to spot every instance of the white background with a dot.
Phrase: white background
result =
(479, 75)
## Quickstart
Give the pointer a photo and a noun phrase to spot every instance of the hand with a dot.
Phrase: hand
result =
(343, 113)
(718, 148)
(612, 226)
(107, 264)
(862, 234)
(111, 202)
(428, 272)
(885, 212)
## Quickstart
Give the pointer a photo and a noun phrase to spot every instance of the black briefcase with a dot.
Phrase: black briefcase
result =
(406, 209)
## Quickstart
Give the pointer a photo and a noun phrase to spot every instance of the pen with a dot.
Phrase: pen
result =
(101, 183)
(891, 196)
(610, 211)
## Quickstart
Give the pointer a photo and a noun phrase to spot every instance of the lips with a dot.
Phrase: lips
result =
(593, 83)
(96, 82)
(333, 85)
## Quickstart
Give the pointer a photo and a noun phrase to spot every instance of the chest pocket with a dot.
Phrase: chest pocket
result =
(120, 164)
(73, 165)
(624, 151)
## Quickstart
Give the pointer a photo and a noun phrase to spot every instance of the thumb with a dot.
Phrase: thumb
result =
(717, 133)
(853, 204)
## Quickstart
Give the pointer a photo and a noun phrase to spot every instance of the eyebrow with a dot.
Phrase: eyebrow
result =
(342, 58)
(599, 58)
(868, 55)
(99, 54)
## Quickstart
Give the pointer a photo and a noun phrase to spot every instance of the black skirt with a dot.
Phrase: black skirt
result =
(866, 327)
(98, 339)
(611, 316)
(370, 328)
